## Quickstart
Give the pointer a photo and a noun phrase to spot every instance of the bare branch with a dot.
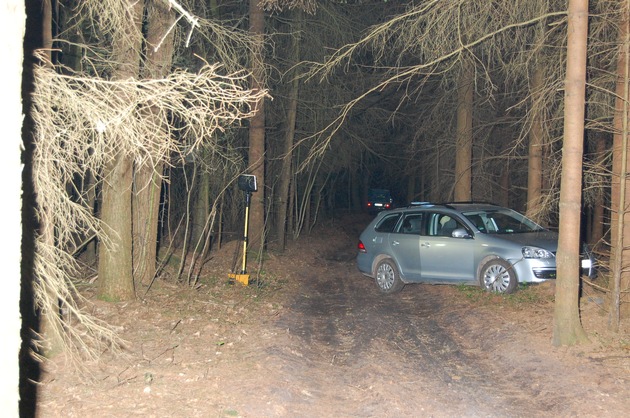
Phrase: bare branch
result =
(81, 123)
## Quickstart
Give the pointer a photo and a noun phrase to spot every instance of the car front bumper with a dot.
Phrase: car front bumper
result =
(531, 270)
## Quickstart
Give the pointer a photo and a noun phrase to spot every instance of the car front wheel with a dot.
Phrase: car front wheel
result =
(498, 276)
(387, 277)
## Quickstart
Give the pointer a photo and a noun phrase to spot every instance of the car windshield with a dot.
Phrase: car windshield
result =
(502, 221)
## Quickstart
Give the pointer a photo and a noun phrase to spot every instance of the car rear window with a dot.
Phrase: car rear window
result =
(388, 223)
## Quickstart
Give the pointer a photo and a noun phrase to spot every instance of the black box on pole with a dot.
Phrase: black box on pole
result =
(247, 183)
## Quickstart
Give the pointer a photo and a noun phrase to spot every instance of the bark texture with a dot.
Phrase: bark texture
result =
(148, 177)
(535, 161)
(567, 328)
(256, 155)
(463, 153)
(115, 268)
(620, 216)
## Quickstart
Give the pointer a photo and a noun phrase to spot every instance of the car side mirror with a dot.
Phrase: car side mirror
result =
(460, 233)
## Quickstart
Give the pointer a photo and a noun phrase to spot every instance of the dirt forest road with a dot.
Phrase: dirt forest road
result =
(421, 353)
(325, 343)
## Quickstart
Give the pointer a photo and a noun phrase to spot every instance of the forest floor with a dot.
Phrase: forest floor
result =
(312, 337)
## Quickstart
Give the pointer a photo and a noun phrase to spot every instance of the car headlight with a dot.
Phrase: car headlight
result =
(535, 252)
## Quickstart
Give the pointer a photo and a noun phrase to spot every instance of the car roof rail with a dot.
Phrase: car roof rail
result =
(426, 204)
(450, 204)
(471, 202)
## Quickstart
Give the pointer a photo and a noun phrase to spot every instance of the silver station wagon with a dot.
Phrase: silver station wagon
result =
(459, 243)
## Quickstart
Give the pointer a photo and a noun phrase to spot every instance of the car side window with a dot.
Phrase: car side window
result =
(388, 223)
(411, 224)
(442, 225)
(478, 222)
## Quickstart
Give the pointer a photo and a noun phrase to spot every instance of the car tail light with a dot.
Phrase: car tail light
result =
(362, 247)
(388, 205)
(369, 205)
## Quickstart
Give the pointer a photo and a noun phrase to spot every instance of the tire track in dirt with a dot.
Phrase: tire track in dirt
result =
(398, 344)
(421, 352)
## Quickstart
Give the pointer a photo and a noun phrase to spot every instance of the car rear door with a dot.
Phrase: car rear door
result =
(377, 241)
(444, 258)
(405, 245)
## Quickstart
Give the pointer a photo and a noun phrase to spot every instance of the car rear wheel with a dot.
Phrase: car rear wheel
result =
(498, 276)
(387, 277)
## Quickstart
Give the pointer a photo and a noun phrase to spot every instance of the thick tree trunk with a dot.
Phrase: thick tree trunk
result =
(12, 20)
(463, 153)
(567, 329)
(115, 267)
(256, 154)
(620, 193)
(115, 270)
(148, 178)
(535, 157)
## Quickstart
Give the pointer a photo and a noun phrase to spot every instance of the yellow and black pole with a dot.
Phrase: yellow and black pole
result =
(247, 183)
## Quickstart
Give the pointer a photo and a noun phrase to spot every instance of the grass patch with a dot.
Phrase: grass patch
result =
(473, 293)
(526, 295)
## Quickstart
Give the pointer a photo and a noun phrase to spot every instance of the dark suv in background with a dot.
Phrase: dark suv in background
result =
(473, 243)
(378, 200)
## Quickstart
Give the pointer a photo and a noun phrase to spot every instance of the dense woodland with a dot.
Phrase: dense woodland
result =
(143, 114)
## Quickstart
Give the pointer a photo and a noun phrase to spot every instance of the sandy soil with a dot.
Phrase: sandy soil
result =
(314, 338)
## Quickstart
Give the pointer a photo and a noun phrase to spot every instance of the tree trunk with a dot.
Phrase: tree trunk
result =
(411, 188)
(49, 312)
(463, 153)
(291, 206)
(535, 160)
(12, 20)
(598, 216)
(354, 188)
(365, 187)
(256, 155)
(47, 22)
(148, 178)
(567, 329)
(436, 195)
(146, 206)
(620, 217)
(115, 268)
(201, 207)
(89, 188)
(287, 157)
(504, 185)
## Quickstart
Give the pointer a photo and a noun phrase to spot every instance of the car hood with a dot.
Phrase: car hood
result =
(543, 239)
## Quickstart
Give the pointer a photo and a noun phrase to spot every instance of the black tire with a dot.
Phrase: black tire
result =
(387, 277)
(498, 276)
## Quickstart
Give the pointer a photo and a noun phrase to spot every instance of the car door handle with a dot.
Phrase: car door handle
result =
(425, 244)
(395, 243)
